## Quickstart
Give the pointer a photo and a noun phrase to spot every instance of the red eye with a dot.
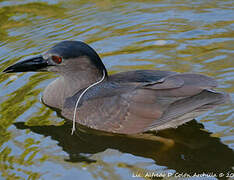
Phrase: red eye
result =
(56, 59)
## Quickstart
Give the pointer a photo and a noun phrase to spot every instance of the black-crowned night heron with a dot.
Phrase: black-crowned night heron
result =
(128, 102)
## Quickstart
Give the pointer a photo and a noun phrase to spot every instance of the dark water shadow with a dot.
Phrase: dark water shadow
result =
(193, 150)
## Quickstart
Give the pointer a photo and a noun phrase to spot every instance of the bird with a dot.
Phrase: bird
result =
(130, 102)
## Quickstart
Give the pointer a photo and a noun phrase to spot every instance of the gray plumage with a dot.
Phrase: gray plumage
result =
(128, 102)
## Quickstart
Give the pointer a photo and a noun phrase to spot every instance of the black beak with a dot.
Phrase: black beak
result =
(33, 64)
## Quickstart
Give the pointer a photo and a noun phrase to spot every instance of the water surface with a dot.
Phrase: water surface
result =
(181, 36)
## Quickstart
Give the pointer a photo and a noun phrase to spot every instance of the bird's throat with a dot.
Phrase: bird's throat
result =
(67, 85)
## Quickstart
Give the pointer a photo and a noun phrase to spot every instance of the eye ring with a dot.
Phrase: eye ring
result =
(57, 59)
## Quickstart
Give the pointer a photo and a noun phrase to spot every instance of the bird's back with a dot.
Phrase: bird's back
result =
(138, 101)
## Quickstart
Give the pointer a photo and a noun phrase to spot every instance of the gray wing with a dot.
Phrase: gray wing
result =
(141, 106)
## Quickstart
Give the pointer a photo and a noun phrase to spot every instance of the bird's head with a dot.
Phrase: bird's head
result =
(66, 56)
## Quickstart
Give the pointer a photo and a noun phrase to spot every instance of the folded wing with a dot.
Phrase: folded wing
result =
(141, 106)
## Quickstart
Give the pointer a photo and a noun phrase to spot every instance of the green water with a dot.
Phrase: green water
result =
(181, 36)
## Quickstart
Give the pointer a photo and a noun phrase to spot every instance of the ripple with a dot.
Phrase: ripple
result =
(181, 36)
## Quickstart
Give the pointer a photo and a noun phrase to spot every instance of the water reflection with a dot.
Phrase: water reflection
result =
(193, 151)
(17, 16)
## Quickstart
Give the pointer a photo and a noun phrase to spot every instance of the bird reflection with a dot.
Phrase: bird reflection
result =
(193, 149)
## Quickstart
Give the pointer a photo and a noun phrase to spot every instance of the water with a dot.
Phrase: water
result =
(182, 36)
